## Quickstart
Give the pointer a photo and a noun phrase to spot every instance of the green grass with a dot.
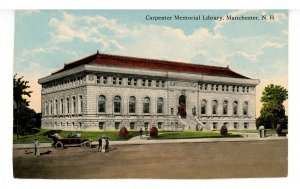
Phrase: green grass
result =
(194, 134)
(92, 135)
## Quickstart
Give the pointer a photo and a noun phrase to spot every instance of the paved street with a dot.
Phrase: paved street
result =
(189, 160)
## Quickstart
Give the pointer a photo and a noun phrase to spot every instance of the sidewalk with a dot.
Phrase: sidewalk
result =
(137, 141)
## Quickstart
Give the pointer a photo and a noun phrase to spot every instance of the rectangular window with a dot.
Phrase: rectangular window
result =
(163, 84)
(98, 79)
(246, 125)
(128, 81)
(144, 82)
(132, 125)
(172, 111)
(101, 125)
(120, 81)
(159, 125)
(215, 125)
(236, 125)
(135, 82)
(104, 80)
(114, 80)
(157, 83)
(117, 125)
(149, 83)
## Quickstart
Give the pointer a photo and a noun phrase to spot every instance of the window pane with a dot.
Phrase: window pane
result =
(225, 107)
(146, 105)
(117, 104)
(101, 103)
(132, 103)
(235, 108)
(203, 107)
(214, 107)
(245, 108)
(160, 105)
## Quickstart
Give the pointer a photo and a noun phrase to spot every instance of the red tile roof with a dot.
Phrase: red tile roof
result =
(134, 62)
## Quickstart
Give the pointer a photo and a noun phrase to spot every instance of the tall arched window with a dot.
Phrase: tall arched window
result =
(117, 104)
(61, 106)
(160, 105)
(56, 107)
(46, 108)
(68, 105)
(132, 104)
(235, 108)
(80, 109)
(203, 107)
(225, 107)
(245, 108)
(51, 107)
(101, 103)
(146, 105)
(214, 107)
(74, 104)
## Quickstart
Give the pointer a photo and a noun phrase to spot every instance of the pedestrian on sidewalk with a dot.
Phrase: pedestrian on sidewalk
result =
(100, 143)
(103, 144)
(36, 147)
(141, 133)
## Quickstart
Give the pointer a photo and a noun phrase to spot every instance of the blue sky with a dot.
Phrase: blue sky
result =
(45, 40)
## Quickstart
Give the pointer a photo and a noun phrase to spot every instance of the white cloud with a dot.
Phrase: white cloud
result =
(220, 24)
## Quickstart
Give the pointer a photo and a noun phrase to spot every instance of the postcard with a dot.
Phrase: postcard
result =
(150, 94)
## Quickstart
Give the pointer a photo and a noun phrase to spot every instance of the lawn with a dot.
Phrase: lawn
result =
(114, 135)
(92, 135)
(194, 134)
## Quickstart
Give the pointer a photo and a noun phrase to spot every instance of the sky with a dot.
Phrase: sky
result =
(45, 40)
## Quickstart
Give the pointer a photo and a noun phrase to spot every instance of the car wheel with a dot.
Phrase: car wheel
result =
(87, 144)
(59, 145)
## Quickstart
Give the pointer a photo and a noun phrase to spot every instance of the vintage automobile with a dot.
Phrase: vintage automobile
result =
(72, 139)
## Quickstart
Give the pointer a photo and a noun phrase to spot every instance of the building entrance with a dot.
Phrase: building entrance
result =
(182, 106)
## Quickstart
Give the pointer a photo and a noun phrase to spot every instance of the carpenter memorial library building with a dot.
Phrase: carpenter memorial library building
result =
(107, 92)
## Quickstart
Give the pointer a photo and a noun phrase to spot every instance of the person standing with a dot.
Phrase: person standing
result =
(36, 147)
(141, 133)
(107, 143)
(103, 144)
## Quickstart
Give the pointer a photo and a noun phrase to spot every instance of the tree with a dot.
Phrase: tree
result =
(20, 90)
(273, 111)
(25, 119)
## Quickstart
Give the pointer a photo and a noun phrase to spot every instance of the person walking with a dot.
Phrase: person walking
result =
(141, 133)
(100, 143)
(36, 147)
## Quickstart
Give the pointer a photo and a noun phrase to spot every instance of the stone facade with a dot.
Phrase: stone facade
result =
(101, 97)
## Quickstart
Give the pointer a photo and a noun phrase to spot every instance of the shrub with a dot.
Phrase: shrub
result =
(153, 132)
(123, 132)
(223, 130)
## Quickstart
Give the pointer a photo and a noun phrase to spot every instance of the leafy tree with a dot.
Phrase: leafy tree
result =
(273, 111)
(20, 90)
(25, 119)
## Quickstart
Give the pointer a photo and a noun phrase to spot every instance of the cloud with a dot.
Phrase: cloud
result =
(220, 24)
(72, 36)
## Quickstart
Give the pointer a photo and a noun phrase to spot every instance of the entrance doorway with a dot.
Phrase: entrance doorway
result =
(182, 106)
